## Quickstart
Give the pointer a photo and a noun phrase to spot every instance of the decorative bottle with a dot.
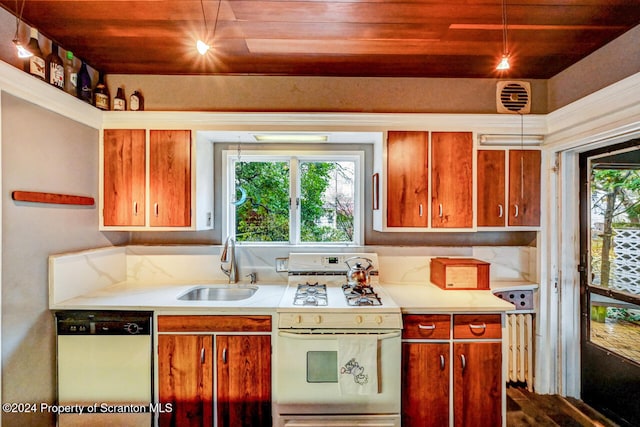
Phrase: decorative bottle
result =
(136, 101)
(55, 68)
(119, 102)
(35, 64)
(84, 87)
(70, 75)
(101, 97)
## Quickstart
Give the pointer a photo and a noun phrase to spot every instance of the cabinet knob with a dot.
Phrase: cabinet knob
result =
(500, 211)
(135, 208)
(442, 360)
(155, 209)
(517, 211)
(440, 210)
(420, 209)
(463, 360)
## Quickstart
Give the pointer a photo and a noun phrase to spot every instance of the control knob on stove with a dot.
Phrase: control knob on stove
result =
(379, 320)
(318, 319)
(359, 319)
(297, 319)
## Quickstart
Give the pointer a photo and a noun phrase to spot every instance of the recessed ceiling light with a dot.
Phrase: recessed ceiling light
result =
(291, 137)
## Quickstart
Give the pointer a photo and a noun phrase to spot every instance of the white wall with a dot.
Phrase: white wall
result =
(41, 151)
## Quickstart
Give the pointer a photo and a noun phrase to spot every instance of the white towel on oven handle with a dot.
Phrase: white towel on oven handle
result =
(358, 364)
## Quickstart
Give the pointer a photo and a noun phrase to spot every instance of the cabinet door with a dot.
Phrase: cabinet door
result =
(124, 177)
(491, 188)
(451, 180)
(244, 380)
(524, 187)
(170, 178)
(477, 388)
(407, 179)
(185, 379)
(425, 384)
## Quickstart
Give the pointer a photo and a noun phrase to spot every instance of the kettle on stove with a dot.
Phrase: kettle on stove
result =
(358, 274)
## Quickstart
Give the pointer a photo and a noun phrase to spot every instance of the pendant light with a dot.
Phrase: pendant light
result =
(23, 52)
(504, 62)
(202, 45)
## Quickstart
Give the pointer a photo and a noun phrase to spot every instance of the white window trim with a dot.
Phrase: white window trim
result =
(228, 218)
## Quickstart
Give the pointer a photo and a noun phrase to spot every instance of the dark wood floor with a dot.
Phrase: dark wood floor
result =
(525, 409)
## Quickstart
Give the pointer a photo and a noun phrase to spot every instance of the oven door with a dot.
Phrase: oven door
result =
(307, 374)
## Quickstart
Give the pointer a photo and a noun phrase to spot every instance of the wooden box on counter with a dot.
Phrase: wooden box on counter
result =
(460, 273)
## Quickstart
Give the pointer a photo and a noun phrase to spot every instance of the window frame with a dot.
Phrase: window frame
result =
(294, 158)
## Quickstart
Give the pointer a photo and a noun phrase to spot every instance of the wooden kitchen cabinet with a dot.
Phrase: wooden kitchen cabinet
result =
(185, 379)
(176, 171)
(425, 370)
(464, 347)
(520, 181)
(491, 186)
(524, 187)
(477, 384)
(407, 179)
(242, 368)
(451, 180)
(124, 177)
(170, 178)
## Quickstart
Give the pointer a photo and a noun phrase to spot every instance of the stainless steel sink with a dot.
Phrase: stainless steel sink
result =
(218, 293)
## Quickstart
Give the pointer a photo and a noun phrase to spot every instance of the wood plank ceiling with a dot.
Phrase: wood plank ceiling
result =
(401, 38)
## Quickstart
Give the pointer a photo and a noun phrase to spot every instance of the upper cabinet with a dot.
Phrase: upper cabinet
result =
(440, 181)
(170, 178)
(524, 188)
(407, 179)
(156, 179)
(508, 172)
(420, 195)
(124, 154)
(451, 180)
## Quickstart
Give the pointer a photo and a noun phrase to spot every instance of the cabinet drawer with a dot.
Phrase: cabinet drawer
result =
(214, 323)
(426, 326)
(477, 326)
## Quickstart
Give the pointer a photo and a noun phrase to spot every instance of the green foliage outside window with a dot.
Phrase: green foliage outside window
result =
(326, 213)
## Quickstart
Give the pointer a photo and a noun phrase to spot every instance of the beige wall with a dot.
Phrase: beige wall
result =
(611, 63)
(41, 151)
(325, 94)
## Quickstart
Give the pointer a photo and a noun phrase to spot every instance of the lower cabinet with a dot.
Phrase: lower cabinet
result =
(198, 355)
(452, 371)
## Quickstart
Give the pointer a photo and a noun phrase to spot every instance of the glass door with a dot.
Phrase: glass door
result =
(610, 288)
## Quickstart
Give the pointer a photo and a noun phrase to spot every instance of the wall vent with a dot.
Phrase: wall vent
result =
(513, 97)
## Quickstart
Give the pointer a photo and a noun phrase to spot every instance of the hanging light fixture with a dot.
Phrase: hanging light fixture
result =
(202, 46)
(504, 62)
(23, 52)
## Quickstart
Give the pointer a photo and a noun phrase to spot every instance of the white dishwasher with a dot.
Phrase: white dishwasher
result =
(104, 361)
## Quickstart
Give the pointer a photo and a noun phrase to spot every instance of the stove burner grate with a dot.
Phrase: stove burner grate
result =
(311, 294)
(361, 295)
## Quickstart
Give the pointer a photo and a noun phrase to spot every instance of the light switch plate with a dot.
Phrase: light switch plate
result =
(282, 264)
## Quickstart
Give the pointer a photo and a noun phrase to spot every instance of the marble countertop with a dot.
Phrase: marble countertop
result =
(154, 296)
(429, 298)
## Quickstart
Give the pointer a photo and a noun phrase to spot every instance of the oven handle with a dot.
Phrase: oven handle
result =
(315, 335)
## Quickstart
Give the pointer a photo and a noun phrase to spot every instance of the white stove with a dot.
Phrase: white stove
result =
(318, 295)
(338, 345)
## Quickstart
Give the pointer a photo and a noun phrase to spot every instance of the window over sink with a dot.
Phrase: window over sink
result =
(307, 198)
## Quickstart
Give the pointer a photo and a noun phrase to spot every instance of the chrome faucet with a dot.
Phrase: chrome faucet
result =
(229, 256)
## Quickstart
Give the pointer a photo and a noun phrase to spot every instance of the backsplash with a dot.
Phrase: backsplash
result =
(93, 269)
